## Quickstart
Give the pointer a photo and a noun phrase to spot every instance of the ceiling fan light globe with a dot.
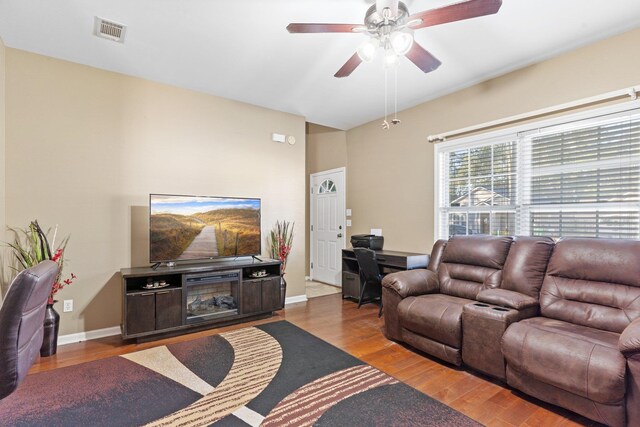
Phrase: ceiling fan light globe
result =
(390, 58)
(401, 41)
(367, 50)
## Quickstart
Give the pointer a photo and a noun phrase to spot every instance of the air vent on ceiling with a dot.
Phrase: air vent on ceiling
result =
(109, 30)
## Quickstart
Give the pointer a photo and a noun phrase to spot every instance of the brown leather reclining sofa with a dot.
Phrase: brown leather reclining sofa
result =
(559, 321)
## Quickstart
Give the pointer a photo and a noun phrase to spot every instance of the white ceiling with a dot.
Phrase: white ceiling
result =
(239, 49)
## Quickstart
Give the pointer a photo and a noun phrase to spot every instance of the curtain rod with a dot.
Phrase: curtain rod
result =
(610, 96)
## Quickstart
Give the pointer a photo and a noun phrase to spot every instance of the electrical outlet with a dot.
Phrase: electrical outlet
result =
(67, 305)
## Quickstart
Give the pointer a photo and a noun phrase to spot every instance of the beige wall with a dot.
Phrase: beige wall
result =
(85, 148)
(390, 183)
(3, 273)
(326, 149)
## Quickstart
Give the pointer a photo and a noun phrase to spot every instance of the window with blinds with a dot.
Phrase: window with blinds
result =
(584, 180)
(480, 190)
(576, 179)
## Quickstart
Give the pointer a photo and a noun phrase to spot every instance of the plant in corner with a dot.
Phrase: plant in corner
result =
(30, 247)
(281, 239)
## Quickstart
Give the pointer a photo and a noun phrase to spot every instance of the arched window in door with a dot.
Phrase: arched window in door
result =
(327, 186)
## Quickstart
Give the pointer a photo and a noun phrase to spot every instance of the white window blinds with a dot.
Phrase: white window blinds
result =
(575, 179)
(583, 179)
(480, 190)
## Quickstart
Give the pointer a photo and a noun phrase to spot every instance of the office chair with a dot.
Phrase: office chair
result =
(369, 273)
(22, 323)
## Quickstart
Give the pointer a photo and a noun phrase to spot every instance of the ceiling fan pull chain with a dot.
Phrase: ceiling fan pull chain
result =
(395, 120)
(385, 123)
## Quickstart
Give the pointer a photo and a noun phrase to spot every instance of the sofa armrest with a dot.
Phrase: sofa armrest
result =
(506, 298)
(412, 282)
(629, 343)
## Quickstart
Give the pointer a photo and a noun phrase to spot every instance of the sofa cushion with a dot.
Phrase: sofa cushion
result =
(478, 250)
(578, 359)
(436, 255)
(435, 316)
(526, 265)
(466, 281)
(472, 263)
(593, 282)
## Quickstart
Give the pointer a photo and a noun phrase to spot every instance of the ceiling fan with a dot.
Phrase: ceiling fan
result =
(390, 26)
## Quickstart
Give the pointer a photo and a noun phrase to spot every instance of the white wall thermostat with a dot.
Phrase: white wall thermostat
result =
(291, 139)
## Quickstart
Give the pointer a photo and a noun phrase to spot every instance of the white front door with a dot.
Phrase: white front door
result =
(327, 225)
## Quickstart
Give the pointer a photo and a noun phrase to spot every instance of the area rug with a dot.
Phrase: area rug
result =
(270, 375)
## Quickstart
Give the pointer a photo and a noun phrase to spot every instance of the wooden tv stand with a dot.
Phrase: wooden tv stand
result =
(197, 296)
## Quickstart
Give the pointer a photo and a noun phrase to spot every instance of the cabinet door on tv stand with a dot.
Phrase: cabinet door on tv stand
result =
(271, 294)
(141, 313)
(168, 308)
(251, 296)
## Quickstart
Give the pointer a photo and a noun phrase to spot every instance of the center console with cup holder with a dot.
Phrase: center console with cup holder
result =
(483, 325)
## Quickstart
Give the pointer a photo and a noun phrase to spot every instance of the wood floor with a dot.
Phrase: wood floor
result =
(359, 332)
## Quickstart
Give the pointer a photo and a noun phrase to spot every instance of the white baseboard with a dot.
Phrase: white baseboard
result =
(115, 330)
(295, 299)
(89, 335)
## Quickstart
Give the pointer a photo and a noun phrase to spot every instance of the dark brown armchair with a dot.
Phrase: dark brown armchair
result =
(21, 323)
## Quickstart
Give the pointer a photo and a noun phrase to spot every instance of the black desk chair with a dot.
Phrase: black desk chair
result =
(369, 272)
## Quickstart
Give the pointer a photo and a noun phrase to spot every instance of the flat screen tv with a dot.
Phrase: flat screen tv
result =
(202, 227)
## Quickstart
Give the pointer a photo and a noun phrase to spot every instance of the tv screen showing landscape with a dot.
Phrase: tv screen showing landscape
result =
(196, 227)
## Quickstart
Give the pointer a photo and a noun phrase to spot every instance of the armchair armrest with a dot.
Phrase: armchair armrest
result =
(506, 298)
(629, 343)
(412, 282)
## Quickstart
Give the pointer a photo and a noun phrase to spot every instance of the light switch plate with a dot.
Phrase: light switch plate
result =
(277, 137)
(348, 223)
(348, 212)
(376, 231)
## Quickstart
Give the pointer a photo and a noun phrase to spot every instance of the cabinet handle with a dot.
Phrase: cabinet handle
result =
(349, 278)
(145, 294)
(163, 292)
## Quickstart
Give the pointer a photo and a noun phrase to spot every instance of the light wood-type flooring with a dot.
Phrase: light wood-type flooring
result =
(359, 332)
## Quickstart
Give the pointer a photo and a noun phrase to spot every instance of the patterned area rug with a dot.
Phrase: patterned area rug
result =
(272, 375)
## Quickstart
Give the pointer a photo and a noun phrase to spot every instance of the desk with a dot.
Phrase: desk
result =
(388, 261)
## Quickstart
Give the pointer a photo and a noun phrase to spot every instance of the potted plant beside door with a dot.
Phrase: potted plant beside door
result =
(281, 239)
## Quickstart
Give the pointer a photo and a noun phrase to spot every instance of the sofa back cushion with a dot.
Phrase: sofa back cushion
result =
(526, 265)
(593, 282)
(436, 255)
(472, 263)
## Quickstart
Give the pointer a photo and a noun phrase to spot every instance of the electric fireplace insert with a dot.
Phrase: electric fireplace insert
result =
(210, 295)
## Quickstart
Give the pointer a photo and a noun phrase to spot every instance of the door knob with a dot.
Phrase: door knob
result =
(339, 234)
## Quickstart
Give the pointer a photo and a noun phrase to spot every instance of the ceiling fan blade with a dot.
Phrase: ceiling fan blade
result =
(325, 28)
(422, 58)
(349, 66)
(455, 12)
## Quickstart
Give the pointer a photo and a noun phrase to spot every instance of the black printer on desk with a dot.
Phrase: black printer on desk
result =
(368, 241)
